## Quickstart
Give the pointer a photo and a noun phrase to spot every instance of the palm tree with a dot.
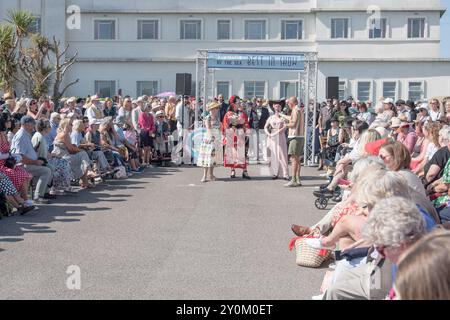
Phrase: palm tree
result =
(8, 64)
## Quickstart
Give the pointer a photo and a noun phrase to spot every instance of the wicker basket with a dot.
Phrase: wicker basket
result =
(309, 257)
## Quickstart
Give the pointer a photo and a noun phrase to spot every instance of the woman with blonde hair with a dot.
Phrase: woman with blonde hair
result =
(212, 142)
(423, 272)
(431, 133)
(78, 158)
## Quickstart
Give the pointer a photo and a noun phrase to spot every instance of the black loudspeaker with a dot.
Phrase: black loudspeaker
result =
(332, 87)
(184, 82)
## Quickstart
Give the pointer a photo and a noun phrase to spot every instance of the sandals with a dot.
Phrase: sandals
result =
(23, 210)
(87, 186)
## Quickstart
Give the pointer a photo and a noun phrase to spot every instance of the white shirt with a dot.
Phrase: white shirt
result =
(435, 115)
(179, 115)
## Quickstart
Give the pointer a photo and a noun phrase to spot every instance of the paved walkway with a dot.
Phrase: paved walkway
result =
(164, 235)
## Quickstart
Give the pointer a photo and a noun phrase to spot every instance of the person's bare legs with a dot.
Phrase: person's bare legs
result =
(211, 174)
(24, 190)
(205, 173)
(348, 226)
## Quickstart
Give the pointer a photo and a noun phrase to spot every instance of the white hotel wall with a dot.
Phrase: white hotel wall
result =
(434, 74)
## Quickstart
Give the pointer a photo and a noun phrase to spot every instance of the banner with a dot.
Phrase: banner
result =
(256, 60)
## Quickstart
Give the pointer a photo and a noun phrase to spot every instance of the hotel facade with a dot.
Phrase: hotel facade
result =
(376, 48)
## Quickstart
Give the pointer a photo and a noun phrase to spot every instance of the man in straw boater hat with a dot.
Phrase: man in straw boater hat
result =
(212, 142)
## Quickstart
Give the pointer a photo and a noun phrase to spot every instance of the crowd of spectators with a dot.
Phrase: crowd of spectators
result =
(390, 161)
(391, 164)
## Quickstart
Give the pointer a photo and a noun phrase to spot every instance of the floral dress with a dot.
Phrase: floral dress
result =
(18, 175)
(62, 173)
(445, 199)
(6, 186)
(211, 145)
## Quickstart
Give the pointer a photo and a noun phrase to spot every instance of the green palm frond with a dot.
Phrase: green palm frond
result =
(21, 20)
(6, 38)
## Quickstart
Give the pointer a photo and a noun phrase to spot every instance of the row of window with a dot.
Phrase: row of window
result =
(390, 89)
(255, 29)
(364, 89)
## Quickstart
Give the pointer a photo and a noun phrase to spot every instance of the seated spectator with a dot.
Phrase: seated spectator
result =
(12, 196)
(364, 114)
(391, 234)
(22, 145)
(109, 140)
(109, 109)
(96, 152)
(389, 110)
(342, 166)
(420, 148)
(431, 133)
(423, 115)
(133, 155)
(92, 109)
(435, 112)
(80, 163)
(55, 118)
(407, 136)
(434, 169)
(397, 158)
(126, 109)
(348, 204)
(13, 126)
(423, 272)
(62, 173)
(71, 107)
(19, 177)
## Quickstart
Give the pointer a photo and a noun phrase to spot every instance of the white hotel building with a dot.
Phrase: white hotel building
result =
(138, 46)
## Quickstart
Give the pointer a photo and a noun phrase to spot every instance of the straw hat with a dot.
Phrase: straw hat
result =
(213, 105)
(395, 122)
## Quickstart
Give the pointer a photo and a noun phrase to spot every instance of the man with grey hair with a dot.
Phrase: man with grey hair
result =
(55, 119)
(22, 145)
(393, 225)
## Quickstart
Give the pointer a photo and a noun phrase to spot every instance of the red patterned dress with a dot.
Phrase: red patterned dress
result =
(18, 175)
(234, 140)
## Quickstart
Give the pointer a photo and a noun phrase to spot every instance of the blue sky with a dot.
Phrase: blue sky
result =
(445, 31)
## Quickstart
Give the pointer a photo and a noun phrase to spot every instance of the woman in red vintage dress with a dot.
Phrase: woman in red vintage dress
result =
(18, 176)
(235, 125)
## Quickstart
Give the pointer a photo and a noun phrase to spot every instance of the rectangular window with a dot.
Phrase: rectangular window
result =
(190, 29)
(254, 89)
(105, 29)
(364, 88)
(223, 30)
(339, 28)
(105, 89)
(415, 90)
(148, 29)
(288, 89)
(255, 30)
(378, 28)
(291, 30)
(223, 88)
(416, 28)
(35, 26)
(390, 89)
(149, 88)
(342, 90)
